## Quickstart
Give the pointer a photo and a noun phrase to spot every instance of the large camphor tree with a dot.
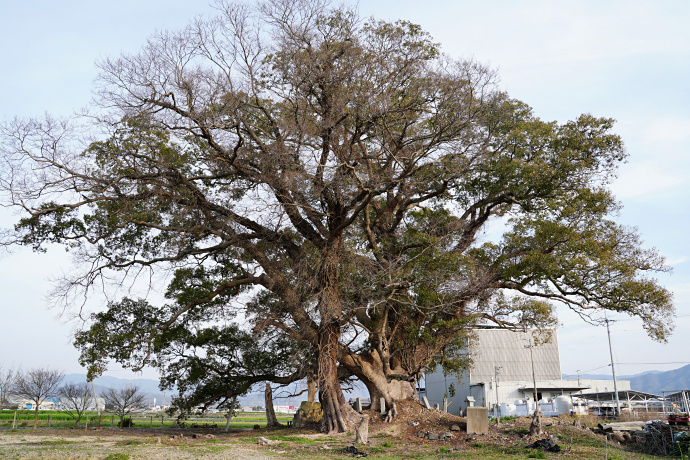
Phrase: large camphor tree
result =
(326, 185)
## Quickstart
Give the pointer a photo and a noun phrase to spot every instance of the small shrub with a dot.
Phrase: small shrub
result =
(387, 444)
(537, 454)
(126, 422)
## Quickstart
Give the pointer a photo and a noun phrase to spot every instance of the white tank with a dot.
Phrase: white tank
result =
(563, 405)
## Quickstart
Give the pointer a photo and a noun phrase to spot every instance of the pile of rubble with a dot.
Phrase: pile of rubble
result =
(653, 437)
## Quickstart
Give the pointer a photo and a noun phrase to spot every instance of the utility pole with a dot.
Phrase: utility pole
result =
(95, 401)
(497, 371)
(535, 426)
(613, 368)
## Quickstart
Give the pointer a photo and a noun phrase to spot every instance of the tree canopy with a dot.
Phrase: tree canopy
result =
(330, 195)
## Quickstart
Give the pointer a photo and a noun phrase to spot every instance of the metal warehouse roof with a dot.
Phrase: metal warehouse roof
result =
(626, 395)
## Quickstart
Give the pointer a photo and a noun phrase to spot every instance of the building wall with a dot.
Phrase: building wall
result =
(510, 350)
(506, 349)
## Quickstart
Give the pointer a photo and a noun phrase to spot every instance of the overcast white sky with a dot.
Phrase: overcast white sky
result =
(626, 59)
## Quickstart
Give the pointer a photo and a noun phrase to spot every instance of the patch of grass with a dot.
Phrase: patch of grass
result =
(519, 431)
(387, 444)
(58, 441)
(294, 439)
(537, 454)
(477, 445)
(131, 442)
(117, 456)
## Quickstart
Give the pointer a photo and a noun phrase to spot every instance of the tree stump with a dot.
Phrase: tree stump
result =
(362, 431)
(535, 426)
(271, 420)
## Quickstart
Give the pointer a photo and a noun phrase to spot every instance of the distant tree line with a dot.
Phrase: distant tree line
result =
(40, 384)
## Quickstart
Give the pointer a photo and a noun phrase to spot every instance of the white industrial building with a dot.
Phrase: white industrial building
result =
(502, 372)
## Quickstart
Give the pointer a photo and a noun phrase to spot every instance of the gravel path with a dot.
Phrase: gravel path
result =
(25, 445)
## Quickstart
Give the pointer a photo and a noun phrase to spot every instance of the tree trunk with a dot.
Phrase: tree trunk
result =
(535, 426)
(36, 417)
(311, 388)
(338, 415)
(271, 420)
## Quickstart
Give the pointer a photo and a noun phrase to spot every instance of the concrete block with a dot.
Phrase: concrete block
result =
(477, 420)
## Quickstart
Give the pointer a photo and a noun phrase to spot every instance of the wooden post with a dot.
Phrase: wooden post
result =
(14, 422)
(151, 425)
(382, 402)
(358, 404)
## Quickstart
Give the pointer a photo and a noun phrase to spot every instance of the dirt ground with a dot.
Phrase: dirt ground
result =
(406, 437)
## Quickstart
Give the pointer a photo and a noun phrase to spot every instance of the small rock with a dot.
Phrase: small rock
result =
(263, 441)
(432, 436)
(413, 423)
(455, 428)
(421, 434)
(445, 435)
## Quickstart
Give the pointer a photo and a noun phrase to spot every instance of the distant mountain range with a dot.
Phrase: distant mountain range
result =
(150, 388)
(650, 382)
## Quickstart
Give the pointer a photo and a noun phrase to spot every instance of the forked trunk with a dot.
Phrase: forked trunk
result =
(392, 388)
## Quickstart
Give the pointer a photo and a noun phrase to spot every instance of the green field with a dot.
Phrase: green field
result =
(62, 419)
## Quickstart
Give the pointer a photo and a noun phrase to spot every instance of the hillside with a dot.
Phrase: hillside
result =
(650, 382)
(656, 382)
